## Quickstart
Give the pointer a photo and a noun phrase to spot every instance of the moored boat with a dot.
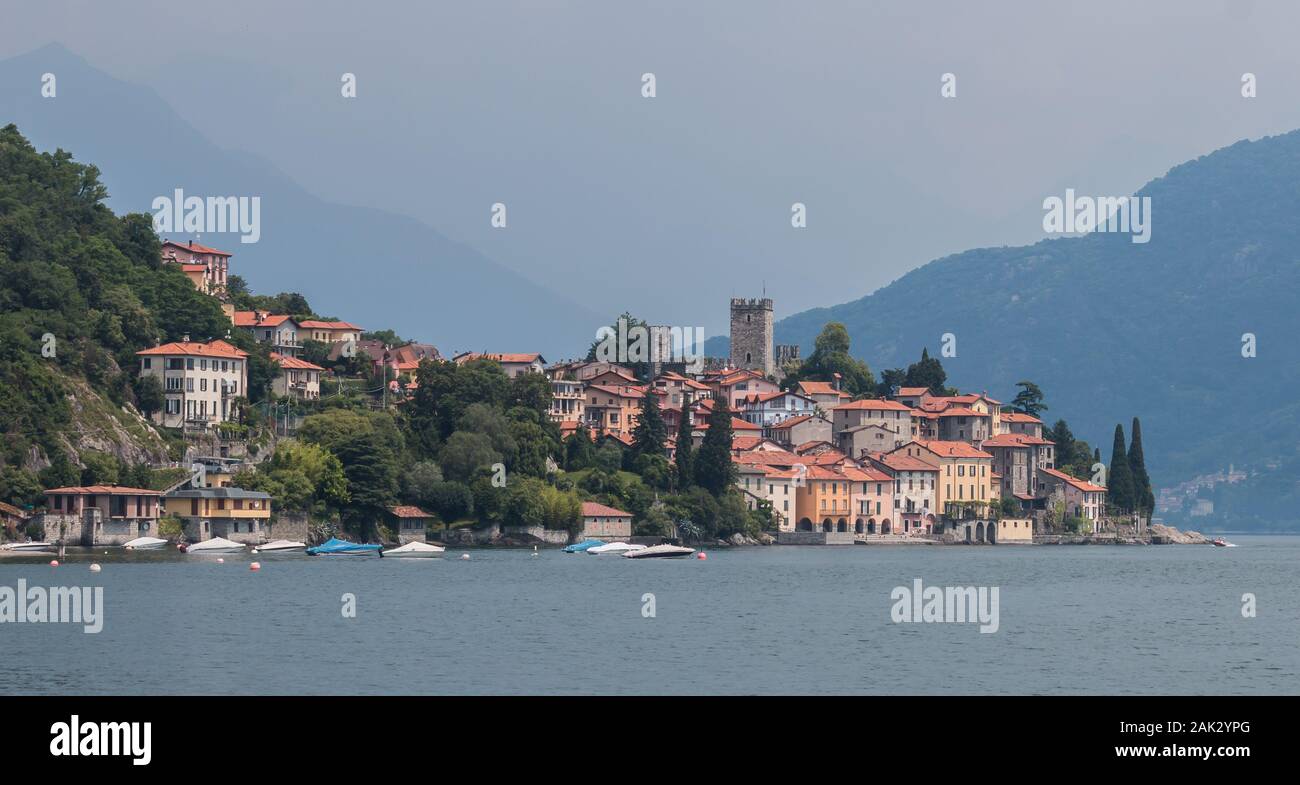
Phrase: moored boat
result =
(27, 546)
(144, 543)
(415, 550)
(215, 545)
(615, 548)
(337, 547)
(579, 547)
(659, 552)
(280, 546)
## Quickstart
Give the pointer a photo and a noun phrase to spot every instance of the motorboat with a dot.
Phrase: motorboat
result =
(27, 546)
(415, 550)
(1219, 542)
(280, 546)
(337, 547)
(215, 545)
(579, 547)
(144, 544)
(615, 548)
(659, 552)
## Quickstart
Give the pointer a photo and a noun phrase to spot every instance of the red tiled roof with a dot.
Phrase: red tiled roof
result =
(910, 392)
(591, 509)
(792, 421)
(952, 449)
(745, 442)
(1077, 483)
(195, 247)
(319, 325)
(1019, 417)
(873, 404)
(96, 490)
(501, 358)
(906, 463)
(294, 363)
(409, 511)
(738, 424)
(1013, 440)
(249, 319)
(196, 349)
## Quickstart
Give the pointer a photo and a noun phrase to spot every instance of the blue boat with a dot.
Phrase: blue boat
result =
(579, 547)
(337, 547)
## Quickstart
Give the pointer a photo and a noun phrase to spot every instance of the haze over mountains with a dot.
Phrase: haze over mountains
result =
(370, 267)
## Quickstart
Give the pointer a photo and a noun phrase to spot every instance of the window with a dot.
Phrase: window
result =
(147, 362)
(189, 363)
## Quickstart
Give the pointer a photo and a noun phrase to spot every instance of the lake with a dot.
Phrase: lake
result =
(773, 620)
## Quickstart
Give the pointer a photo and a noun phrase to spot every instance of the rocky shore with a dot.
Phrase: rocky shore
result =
(1167, 535)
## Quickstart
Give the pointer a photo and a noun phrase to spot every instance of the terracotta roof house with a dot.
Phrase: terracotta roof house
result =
(410, 523)
(605, 523)
(200, 381)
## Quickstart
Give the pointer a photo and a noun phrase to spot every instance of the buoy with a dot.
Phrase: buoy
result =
(255, 566)
(534, 550)
(221, 561)
(701, 555)
(95, 568)
(464, 557)
(54, 562)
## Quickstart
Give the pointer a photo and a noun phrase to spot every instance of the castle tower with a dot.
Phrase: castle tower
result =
(751, 334)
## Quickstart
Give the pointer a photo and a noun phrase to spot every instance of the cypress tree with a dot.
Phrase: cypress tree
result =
(1143, 497)
(683, 458)
(650, 432)
(714, 470)
(1120, 482)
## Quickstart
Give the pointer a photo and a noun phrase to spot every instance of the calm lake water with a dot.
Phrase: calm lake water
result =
(777, 620)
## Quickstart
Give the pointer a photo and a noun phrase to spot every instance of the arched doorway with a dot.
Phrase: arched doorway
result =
(993, 533)
(857, 526)
(929, 524)
(804, 525)
(871, 526)
(967, 527)
(842, 526)
(979, 532)
(827, 526)
(885, 526)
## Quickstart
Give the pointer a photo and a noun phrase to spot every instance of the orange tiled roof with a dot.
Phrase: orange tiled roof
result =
(873, 404)
(195, 247)
(409, 511)
(910, 392)
(294, 363)
(96, 490)
(196, 349)
(1019, 417)
(590, 509)
(1014, 440)
(953, 449)
(1077, 483)
(319, 325)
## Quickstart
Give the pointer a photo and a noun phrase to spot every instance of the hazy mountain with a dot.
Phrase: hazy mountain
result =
(370, 267)
(1111, 329)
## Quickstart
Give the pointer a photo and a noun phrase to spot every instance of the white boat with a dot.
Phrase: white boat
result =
(27, 546)
(280, 546)
(659, 552)
(216, 545)
(616, 548)
(415, 550)
(144, 544)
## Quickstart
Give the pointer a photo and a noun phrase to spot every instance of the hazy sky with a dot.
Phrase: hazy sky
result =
(668, 206)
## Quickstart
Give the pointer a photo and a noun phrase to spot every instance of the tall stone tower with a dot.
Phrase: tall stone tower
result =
(751, 334)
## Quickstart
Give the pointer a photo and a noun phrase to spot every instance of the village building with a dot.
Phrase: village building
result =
(612, 409)
(767, 409)
(735, 386)
(568, 401)
(1017, 459)
(100, 514)
(207, 268)
(279, 331)
(679, 389)
(827, 395)
(915, 483)
(233, 513)
(13, 519)
(871, 501)
(297, 378)
(200, 381)
(965, 484)
(600, 522)
(1081, 499)
(823, 501)
(759, 483)
(409, 523)
(513, 364)
(871, 425)
(800, 430)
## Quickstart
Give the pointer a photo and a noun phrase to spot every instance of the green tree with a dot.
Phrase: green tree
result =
(578, 449)
(927, 372)
(683, 459)
(149, 396)
(1119, 482)
(1029, 400)
(831, 356)
(1143, 496)
(466, 454)
(650, 432)
(714, 470)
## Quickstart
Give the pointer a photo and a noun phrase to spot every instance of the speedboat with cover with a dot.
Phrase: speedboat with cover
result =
(216, 545)
(615, 548)
(659, 552)
(579, 547)
(337, 547)
(415, 550)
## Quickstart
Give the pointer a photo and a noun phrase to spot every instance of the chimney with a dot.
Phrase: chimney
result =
(185, 338)
(837, 378)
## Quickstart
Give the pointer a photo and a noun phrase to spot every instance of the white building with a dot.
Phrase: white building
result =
(200, 381)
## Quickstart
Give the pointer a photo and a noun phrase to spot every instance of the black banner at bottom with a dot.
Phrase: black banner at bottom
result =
(137, 737)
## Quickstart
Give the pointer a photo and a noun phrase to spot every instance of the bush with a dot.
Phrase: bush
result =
(170, 527)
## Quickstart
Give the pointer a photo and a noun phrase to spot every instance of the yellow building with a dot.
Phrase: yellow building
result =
(1015, 530)
(232, 513)
(823, 499)
(966, 480)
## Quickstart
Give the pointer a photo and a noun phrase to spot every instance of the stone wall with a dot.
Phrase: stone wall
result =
(814, 538)
(290, 526)
(90, 529)
(549, 536)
